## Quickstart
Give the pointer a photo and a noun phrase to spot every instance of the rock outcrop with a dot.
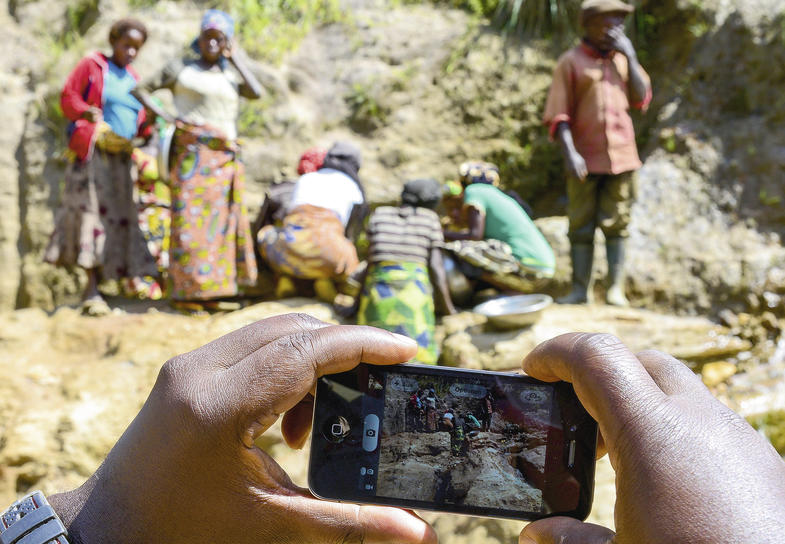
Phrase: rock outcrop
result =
(708, 224)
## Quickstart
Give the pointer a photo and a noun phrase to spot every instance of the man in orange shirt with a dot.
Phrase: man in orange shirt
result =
(594, 86)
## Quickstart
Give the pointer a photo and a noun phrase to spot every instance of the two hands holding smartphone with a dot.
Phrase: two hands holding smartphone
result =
(187, 470)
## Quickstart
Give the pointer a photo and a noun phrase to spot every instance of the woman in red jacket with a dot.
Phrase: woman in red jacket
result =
(96, 226)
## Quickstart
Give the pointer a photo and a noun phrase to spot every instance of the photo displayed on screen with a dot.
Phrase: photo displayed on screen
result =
(477, 443)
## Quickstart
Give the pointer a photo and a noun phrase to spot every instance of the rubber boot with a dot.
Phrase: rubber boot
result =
(582, 256)
(615, 294)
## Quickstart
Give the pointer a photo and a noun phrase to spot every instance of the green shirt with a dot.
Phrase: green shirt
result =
(505, 220)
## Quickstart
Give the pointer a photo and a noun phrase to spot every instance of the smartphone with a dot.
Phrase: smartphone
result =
(452, 440)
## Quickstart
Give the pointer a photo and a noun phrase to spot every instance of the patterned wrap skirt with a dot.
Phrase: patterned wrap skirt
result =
(96, 223)
(211, 247)
(309, 245)
(398, 297)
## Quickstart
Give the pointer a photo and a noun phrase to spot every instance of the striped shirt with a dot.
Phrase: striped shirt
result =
(404, 234)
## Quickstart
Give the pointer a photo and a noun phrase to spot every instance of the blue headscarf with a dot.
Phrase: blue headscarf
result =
(219, 20)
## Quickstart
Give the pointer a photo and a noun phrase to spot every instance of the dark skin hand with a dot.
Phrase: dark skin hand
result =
(439, 280)
(187, 469)
(688, 469)
(476, 220)
(573, 161)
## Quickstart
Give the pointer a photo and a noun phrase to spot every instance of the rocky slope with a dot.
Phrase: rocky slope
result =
(72, 383)
(706, 235)
(707, 226)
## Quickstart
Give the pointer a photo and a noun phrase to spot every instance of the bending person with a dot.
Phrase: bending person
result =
(404, 256)
(502, 243)
(211, 240)
(315, 240)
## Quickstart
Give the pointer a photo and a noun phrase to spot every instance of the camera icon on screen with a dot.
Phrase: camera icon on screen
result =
(370, 432)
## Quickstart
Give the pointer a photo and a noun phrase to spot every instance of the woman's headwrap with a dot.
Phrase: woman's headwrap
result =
(219, 20)
(479, 172)
(311, 160)
(452, 188)
(425, 193)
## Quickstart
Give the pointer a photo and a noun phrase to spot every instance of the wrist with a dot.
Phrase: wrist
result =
(67, 506)
(631, 54)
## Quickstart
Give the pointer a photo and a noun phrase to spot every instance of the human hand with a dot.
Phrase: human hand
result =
(620, 42)
(347, 311)
(92, 114)
(688, 469)
(229, 50)
(576, 166)
(187, 469)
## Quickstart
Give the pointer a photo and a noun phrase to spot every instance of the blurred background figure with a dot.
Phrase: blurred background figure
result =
(315, 241)
(278, 198)
(501, 246)
(593, 83)
(211, 242)
(96, 224)
(404, 264)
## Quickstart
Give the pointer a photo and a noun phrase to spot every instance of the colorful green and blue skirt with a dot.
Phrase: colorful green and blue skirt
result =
(211, 243)
(398, 297)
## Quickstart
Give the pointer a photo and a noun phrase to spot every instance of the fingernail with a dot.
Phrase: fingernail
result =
(404, 339)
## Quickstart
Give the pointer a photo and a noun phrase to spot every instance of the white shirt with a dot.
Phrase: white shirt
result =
(208, 96)
(327, 188)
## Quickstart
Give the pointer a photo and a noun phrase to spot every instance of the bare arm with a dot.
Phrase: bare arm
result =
(143, 97)
(639, 85)
(439, 278)
(575, 163)
(476, 227)
(250, 88)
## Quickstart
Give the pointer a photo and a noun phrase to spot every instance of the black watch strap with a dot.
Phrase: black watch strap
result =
(31, 520)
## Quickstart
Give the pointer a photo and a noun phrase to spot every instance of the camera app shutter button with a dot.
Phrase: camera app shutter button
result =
(370, 432)
(336, 429)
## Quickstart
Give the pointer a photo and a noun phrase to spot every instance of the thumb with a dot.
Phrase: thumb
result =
(561, 530)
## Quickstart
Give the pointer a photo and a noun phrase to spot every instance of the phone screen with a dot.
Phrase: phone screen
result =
(470, 442)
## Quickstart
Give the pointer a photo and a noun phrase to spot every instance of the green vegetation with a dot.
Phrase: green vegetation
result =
(366, 112)
(772, 424)
(252, 120)
(81, 16)
(271, 28)
(526, 17)
(768, 200)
